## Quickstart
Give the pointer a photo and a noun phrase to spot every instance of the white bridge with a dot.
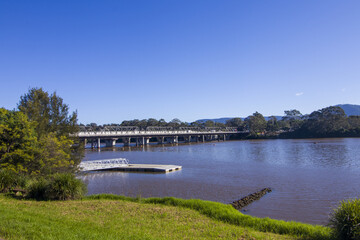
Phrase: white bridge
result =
(162, 135)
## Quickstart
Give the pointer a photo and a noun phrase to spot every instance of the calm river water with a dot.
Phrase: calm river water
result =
(308, 177)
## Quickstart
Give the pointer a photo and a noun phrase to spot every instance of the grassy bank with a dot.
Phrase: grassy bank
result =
(116, 217)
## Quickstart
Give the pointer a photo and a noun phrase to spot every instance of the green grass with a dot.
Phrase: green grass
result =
(227, 214)
(116, 217)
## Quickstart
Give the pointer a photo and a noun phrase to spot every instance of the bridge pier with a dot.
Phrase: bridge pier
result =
(171, 140)
(126, 141)
(98, 143)
(141, 141)
(160, 140)
(110, 142)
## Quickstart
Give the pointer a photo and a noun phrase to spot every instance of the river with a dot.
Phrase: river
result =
(308, 177)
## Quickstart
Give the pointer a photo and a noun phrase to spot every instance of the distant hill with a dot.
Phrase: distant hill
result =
(218, 120)
(350, 109)
(223, 120)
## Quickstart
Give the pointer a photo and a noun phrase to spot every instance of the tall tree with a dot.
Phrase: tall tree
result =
(50, 115)
(293, 118)
(48, 112)
(272, 124)
(256, 123)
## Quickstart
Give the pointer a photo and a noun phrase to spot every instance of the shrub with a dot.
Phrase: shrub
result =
(38, 188)
(61, 186)
(345, 220)
(7, 180)
(65, 186)
(10, 180)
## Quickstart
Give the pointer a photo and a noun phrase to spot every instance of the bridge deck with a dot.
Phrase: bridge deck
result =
(141, 168)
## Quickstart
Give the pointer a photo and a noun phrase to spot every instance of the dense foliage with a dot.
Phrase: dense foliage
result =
(345, 220)
(10, 181)
(55, 128)
(60, 186)
(256, 123)
(48, 113)
(18, 142)
(38, 141)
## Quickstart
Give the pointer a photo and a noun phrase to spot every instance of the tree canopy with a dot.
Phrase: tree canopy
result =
(18, 142)
(328, 121)
(36, 139)
(256, 123)
(48, 112)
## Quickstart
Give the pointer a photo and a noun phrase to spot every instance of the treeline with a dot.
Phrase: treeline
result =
(326, 122)
(152, 122)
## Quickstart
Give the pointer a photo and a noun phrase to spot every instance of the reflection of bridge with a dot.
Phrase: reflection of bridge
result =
(162, 135)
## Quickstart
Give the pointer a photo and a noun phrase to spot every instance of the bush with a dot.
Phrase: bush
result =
(7, 179)
(10, 180)
(61, 186)
(65, 186)
(345, 220)
(38, 188)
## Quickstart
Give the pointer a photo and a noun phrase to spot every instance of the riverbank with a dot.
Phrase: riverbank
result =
(116, 217)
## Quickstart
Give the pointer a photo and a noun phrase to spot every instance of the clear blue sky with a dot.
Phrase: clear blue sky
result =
(119, 60)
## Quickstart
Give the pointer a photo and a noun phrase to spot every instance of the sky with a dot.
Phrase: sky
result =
(188, 59)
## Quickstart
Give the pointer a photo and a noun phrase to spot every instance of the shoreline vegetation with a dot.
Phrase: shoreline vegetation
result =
(325, 123)
(39, 159)
(107, 216)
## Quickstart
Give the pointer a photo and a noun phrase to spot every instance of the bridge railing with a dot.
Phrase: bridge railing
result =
(149, 133)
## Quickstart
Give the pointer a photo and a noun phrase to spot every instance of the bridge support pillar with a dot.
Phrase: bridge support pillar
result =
(141, 141)
(98, 143)
(172, 139)
(203, 138)
(126, 141)
(85, 142)
(187, 139)
(110, 142)
(160, 140)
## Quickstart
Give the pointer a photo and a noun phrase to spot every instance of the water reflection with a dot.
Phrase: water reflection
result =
(309, 177)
